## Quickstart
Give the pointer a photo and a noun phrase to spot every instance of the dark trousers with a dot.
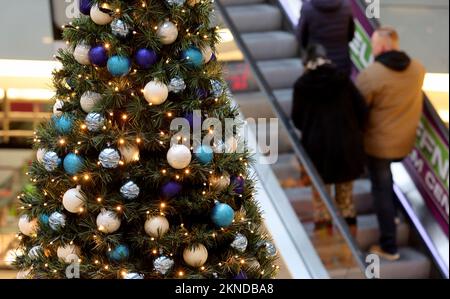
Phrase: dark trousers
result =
(384, 203)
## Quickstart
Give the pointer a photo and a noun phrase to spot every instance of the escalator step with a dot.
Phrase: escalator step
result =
(256, 18)
(271, 45)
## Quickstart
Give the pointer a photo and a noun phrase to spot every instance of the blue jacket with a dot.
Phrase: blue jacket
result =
(329, 23)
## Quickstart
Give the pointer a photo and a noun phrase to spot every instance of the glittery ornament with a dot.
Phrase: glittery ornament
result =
(57, 220)
(94, 121)
(51, 161)
(119, 28)
(133, 275)
(216, 88)
(130, 190)
(240, 242)
(177, 85)
(163, 264)
(109, 158)
(35, 252)
(176, 2)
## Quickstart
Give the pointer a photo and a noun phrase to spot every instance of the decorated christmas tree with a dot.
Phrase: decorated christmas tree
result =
(118, 192)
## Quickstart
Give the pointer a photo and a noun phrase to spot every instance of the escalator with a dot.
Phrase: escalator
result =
(262, 89)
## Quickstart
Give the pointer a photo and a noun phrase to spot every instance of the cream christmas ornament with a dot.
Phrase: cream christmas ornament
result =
(179, 156)
(167, 32)
(207, 53)
(195, 256)
(57, 108)
(108, 221)
(73, 200)
(28, 226)
(81, 54)
(156, 92)
(68, 253)
(99, 15)
(129, 153)
(156, 226)
(220, 182)
(88, 100)
(40, 154)
(23, 274)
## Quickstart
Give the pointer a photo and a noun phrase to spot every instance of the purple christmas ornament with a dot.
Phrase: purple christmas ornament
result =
(213, 57)
(85, 6)
(98, 56)
(171, 189)
(241, 275)
(195, 120)
(145, 58)
(202, 93)
(238, 183)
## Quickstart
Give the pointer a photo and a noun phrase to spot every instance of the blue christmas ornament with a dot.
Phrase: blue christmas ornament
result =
(204, 154)
(73, 163)
(119, 254)
(193, 57)
(43, 219)
(145, 58)
(118, 65)
(202, 93)
(222, 215)
(85, 6)
(63, 124)
(194, 119)
(98, 56)
(171, 189)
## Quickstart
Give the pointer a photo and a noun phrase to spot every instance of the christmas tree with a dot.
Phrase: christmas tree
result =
(119, 194)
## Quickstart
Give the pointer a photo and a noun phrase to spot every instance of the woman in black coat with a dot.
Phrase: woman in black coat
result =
(330, 113)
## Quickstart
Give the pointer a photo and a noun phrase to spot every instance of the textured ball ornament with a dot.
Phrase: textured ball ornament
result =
(145, 58)
(63, 124)
(57, 221)
(207, 54)
(171, 189)
(88, 100)
(179, 156)
(217, 88)
(73, 163)
(133, 275)
(167, 32)
(94, 121)
(130, 153)
(109, 158)
(156, 92)
(119, 254)
(85, 6)
(220, 182)
(177, 85)
(44, 219)
(23, 274)
(101, 15)
(35, 252)
(204, 154)
(40, 155)
(81, 54)
(130, 190)
(222, 215)
(178, 3)
(51, 161)
(156, 226)
(196, 255)
(57, 108)
(74, 200)
(108, 221)
(119, 66)
(98, 56)
(163, 264)
(68, 253)
(28, 226)
(240, 243)
(120, 29)
(193, 57)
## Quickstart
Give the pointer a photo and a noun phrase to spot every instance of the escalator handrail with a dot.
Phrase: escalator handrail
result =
(299, 151)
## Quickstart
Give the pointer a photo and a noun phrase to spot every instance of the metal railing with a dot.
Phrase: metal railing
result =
(299, 151)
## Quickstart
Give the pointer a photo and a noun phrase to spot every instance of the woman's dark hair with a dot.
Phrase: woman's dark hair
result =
(313, 52)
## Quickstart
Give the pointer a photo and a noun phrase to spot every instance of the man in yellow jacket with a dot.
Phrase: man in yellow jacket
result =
(392, 87)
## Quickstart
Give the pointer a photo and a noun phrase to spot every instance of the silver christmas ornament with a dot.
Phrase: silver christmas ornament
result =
(177, 85)
(35, 252)
(119, 28)
(130, 190)
(133, 276)
(240, 243)
(57, 220)
(94, 121)
(163, 264)
(217, 88)
(271, 249)
(51, 161)
(176, 2)
(109, 158)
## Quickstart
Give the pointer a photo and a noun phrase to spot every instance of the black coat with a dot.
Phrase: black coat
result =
(330, 112)
(329, 23)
